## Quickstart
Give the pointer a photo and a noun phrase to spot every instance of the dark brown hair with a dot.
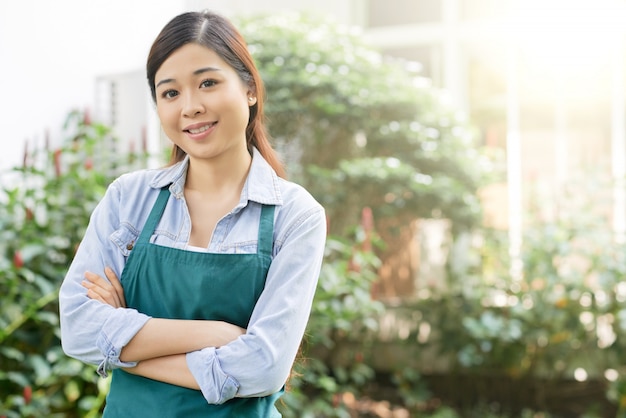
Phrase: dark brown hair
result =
(218, 34)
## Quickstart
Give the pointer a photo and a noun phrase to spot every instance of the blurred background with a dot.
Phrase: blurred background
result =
(471, 155)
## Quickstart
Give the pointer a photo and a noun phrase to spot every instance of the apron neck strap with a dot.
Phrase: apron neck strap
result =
(155, 215)
(266, 231)
(266, 225)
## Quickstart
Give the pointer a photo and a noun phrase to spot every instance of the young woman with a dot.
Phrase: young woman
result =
(219, 256)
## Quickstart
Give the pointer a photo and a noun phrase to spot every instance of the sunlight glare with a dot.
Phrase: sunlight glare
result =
(566, 34)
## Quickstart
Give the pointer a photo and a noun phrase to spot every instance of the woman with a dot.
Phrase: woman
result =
(219, 256)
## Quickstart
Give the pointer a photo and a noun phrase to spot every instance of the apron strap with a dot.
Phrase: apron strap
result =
(155, 215)
(266, 224)
(266, 231)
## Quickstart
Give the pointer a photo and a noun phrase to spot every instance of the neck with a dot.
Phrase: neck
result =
(217, 176)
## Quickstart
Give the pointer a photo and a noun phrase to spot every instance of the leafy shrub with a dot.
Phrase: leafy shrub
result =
(343, 309)
(44, 212)
(561, 317)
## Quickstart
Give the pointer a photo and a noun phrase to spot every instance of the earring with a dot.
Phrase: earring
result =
(252, 100)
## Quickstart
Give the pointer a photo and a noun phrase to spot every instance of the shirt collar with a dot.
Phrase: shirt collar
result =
(261, 186)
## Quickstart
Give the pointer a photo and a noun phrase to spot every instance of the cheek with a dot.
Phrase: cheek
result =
(243, 108)
(165, 115)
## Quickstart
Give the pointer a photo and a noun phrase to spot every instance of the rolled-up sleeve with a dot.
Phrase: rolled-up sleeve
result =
(91, 331)
(259, 362)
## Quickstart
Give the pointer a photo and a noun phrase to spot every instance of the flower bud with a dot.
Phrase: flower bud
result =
(28, 394)
(18, 261)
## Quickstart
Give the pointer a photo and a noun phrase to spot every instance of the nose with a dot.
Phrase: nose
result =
(192, 105)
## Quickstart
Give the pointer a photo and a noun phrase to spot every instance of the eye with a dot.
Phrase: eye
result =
(208, 83)
(169, 94)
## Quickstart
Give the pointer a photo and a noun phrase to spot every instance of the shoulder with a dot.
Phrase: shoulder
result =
(149, 180)
(133, 190)
(143, 178)
(298, 208)
(132, 184)
(294, 195)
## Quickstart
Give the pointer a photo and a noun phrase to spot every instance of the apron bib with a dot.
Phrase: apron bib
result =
(166, 282)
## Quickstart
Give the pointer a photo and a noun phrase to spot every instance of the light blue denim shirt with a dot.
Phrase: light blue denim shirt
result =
(259, 362)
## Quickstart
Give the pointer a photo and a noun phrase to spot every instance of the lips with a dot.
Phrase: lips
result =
(198, 129)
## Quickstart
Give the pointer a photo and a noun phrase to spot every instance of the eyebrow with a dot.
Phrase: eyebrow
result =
(197, 72)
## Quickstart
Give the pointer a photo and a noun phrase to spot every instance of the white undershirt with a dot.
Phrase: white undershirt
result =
(197, 249)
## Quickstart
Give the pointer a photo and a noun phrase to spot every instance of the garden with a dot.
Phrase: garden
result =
(384, 153)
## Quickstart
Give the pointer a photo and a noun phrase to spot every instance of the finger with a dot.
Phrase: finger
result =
(92, 293)
(97, 293)
(104, 288)
(100, 289)
(117, 285)
(94, 278)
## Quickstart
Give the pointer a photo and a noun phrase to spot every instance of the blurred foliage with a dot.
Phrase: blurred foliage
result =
(356, 120)
(342, 308)
(359, 131)
(561, 317)
(44, 212)
(44, 215)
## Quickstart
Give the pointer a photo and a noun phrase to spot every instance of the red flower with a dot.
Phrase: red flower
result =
(87, 118)
(88, 163)
(367, 219)
(28, 394)
(18, 261)
(57, 162)
(367, 222)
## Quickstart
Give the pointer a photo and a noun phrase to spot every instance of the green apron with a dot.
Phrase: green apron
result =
(166, 282)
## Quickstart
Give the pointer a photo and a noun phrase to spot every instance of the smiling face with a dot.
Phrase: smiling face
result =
(203, 104)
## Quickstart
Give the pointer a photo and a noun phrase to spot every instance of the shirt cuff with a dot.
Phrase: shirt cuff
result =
(113, 338)
(217, 387)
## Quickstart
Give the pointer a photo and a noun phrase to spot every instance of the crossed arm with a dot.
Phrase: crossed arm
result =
(159, 358)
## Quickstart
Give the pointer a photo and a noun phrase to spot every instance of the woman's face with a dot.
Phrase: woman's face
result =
(202, 103)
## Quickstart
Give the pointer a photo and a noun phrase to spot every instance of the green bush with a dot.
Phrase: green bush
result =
(561, 318)
(44, 212)
(342, 309)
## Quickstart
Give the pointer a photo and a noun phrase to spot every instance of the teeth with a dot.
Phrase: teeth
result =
(200, 130)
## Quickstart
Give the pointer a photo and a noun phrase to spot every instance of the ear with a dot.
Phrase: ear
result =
(251, 93)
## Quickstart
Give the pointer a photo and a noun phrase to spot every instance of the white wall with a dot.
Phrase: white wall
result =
(52, 51)
(345, 11)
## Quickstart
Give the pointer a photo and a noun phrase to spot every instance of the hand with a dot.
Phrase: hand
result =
(106, 291)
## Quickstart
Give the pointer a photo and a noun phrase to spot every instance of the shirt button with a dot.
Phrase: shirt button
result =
(129, 246)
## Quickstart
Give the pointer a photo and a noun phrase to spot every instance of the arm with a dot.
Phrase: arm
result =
(164, 337)
(97, 333)
(168, 369)
(182, 336)
(91, 331)
(259, 362)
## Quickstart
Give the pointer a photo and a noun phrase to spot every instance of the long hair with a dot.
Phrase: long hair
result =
(218, 34)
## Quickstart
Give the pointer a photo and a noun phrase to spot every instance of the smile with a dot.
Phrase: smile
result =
(201, 129)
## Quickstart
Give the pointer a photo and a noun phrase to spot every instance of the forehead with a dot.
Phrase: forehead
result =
(187, 59)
